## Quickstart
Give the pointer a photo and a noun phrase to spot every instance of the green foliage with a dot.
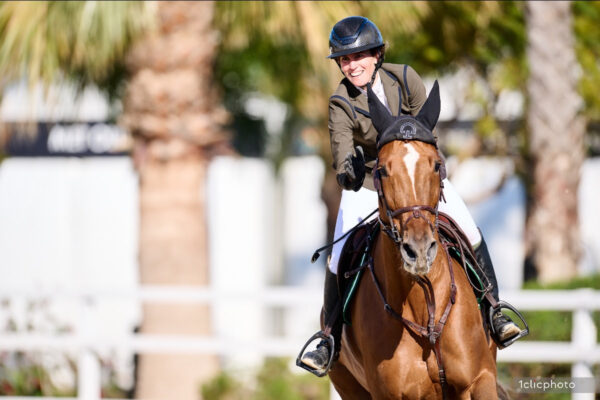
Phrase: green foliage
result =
(24, 374)
(587, 32)
(555, 325)
(222, 387)
(588, 281)
(265, 66)
(548, 325)
(273, 382)
(21, 375)
(85, 42)
(455, 33)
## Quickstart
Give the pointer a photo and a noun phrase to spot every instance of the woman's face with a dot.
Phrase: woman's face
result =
(358, 67)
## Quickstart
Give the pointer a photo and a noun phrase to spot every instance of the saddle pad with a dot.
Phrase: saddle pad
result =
(354, 255)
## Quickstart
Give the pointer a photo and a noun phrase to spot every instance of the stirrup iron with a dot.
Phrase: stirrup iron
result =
(498, 307)
(330, 341)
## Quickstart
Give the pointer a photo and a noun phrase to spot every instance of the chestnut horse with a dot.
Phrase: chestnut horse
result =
(416, 331)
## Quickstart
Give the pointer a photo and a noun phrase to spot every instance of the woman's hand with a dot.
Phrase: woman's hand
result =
(354, 170)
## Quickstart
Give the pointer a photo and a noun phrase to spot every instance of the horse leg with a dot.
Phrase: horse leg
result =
(484, 387)
(346, 385)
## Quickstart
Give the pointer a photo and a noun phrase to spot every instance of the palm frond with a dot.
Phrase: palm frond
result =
(50, 40)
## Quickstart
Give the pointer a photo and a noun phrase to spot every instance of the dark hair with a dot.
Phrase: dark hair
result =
(376, 51)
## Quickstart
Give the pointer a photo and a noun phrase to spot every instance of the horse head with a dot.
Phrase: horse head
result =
(408, 177)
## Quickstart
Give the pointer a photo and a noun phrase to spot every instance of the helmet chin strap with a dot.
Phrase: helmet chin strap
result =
(377, 66)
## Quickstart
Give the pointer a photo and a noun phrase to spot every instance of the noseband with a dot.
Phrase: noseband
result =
(390, 228)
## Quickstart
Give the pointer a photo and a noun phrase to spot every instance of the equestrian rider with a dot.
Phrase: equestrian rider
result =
(357, 47)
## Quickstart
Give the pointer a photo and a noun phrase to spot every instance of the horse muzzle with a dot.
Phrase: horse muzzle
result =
(418, 255)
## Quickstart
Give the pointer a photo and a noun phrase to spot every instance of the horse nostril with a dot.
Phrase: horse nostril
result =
(409, 251)
(432, 251)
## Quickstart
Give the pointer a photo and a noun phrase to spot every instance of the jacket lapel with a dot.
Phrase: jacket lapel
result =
(357, 98)
(390, 88)
(360, 103)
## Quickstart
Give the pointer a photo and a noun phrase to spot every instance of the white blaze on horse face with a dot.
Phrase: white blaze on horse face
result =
(410, 160)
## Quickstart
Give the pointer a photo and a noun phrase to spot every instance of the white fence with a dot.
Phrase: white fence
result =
(582, 352)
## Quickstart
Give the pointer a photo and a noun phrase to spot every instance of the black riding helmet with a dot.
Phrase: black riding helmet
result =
(353, 35)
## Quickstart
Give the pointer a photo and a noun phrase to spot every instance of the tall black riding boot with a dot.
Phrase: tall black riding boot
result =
(504, 327)
(319, 358)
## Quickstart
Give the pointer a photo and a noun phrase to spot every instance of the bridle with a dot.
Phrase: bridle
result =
(433, 330)
(390, 228)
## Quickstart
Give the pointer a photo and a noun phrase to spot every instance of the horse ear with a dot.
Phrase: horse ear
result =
(380, 116)
(430, 112)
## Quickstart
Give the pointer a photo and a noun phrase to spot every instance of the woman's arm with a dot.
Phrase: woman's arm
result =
(341, 126)
(416, 88)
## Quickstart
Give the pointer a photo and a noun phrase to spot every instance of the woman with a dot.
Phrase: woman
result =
(358, 48)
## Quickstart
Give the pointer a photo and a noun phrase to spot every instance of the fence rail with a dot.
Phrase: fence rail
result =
(582, 351)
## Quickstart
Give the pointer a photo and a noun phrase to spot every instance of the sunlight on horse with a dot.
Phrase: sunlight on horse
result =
(411, 159)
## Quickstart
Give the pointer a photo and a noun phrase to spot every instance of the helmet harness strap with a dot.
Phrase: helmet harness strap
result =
(381, 56)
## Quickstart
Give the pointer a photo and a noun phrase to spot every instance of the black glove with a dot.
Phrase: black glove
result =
(354, 171)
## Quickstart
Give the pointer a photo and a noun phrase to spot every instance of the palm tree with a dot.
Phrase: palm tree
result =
(83, 42)
(556, 132)
(173, 110)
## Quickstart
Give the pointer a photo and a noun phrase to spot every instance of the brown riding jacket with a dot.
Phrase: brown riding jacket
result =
(349, 121)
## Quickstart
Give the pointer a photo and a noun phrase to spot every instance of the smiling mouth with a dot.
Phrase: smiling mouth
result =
(354, 75)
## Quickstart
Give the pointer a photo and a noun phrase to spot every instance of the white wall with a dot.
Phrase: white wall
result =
(305, 230)
(70, 223)
(263, 229)
(589, 214)
(240, 208)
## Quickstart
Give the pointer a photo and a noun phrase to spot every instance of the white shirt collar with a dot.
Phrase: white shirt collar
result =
(378, 90)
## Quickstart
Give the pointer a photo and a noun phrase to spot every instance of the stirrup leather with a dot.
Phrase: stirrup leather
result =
(498, 307)
(330, 341)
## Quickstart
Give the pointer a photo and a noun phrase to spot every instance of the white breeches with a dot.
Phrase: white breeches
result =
(354, 206)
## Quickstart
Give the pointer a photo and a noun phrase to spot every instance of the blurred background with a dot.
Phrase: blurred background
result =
(165, 176)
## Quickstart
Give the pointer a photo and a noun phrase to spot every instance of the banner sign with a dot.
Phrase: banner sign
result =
(63, 139)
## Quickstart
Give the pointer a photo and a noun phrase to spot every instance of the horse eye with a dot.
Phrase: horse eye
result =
(382, 171)
(437, 166)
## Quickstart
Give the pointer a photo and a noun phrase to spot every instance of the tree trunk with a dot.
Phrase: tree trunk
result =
(556, 133)
(172, 110)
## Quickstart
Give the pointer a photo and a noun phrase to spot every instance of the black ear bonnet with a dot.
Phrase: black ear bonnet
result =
(405, 127)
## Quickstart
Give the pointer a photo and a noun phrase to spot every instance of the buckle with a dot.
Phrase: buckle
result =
(330, 341)
(504, 305)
